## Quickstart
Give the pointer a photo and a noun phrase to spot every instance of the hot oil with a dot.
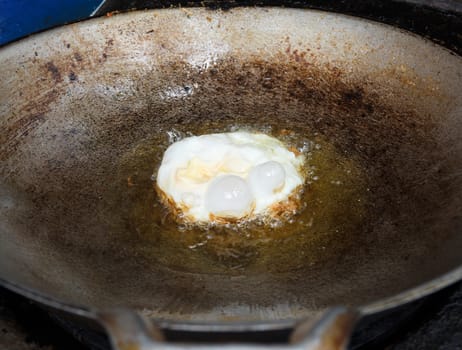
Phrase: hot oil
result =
(333, 205)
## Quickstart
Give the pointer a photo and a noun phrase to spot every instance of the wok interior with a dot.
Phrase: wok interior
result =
(88, 107)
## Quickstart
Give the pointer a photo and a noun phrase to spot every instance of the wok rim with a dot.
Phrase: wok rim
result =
(400, 299)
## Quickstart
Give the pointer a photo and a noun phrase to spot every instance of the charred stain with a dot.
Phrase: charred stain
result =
(302, 89)
(33, 114)
(299, 56)
(22, 128)
(369, 107)
(33, 120)
(353, 96)
(55, 73)
(72, 76)
(78, 57)
(104, 55)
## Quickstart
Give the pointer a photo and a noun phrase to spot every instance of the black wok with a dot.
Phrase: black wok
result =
(85, 115)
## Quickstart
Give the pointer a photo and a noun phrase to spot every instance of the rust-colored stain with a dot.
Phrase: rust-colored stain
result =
(106, 51)
(299, 56)
(55, 73)
(78, 57)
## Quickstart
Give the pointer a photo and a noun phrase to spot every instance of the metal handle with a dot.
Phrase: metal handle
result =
(130, 331)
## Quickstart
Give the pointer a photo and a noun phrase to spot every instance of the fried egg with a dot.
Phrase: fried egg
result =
(229, 176)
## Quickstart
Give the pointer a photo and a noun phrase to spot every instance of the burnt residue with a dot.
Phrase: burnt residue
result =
(33, 108)
(353, 96)
(299, 56)
(55, 73)
(72, 76)
(107, 49)
(15, 132)
(78, 57)
(28, 124)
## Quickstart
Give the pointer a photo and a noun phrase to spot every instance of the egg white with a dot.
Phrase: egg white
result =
(191, 168)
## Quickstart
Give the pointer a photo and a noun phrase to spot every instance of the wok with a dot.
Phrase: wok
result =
(86, 111)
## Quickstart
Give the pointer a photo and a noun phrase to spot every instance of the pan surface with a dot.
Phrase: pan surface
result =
(87, 110)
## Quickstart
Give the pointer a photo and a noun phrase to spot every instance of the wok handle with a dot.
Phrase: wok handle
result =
(129, 331)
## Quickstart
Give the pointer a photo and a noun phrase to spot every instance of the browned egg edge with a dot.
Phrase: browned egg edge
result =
(281, 211)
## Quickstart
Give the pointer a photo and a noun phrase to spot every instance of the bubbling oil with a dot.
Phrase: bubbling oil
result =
(332, 208)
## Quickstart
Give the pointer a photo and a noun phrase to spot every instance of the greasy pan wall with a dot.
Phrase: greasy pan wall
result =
(78, 99)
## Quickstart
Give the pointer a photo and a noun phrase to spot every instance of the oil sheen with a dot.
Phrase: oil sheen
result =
(332, 208)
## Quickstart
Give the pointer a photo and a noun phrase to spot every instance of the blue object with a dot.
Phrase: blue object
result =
(19, 18)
